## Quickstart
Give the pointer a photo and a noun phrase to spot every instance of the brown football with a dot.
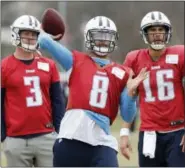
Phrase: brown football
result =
(52, 22)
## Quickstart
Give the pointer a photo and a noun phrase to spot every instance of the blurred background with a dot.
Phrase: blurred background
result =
(126, 15)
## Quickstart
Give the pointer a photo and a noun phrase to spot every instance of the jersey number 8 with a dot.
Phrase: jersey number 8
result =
(98, 95)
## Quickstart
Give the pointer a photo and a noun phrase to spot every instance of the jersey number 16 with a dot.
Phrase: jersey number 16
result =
(165, 89)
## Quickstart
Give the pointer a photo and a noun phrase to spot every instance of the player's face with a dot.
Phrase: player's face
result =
(103, 42)
(156, 34)
(101, 35)
(29, 37)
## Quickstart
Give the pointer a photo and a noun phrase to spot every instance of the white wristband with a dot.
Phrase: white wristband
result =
(124, 132)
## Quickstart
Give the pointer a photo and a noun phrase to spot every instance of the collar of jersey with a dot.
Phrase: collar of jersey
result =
(101, 62)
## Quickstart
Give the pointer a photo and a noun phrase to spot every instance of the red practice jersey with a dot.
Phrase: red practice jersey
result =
(96, 88)
(27, 98)
(161, 96)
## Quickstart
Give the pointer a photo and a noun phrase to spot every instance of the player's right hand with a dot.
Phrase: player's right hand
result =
(125, 146)
(56, 37)
(52, 36)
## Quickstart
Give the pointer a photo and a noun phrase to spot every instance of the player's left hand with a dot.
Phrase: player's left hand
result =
(132, 84)
(183, 143)
(125, 147)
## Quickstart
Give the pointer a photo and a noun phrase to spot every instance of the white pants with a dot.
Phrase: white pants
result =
(35, 151)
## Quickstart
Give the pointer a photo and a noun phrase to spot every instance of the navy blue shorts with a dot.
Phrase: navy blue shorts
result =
(73, 153)
(168, 152)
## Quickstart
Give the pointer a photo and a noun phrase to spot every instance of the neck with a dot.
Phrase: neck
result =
(155, 54)
(22, 54)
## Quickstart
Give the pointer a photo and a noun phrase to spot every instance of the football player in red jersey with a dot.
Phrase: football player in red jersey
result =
(161, 95)
(31, 100)
(95, 91)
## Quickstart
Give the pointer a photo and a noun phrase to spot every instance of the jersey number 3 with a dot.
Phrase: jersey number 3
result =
(165, 89)
(98, 95)
(36, 99)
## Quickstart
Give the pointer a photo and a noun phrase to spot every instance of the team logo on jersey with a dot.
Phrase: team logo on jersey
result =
(118, 72)
(43, 66)
(155, 67)
(101, 73)
(172, 58)
(30, 70)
